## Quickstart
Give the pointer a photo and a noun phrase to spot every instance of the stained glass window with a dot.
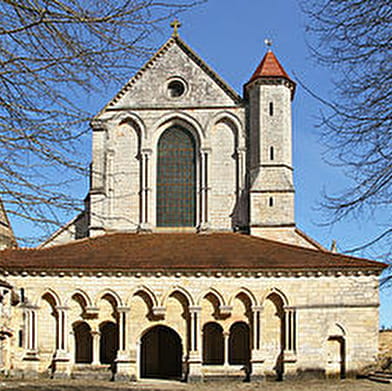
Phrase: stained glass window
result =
(176, 182)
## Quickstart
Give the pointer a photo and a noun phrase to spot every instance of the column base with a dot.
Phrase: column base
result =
(203, 228)
(31, 355)
(124, 367)
(61, 366)
(144, 228)
(31, 364)
(194, 374)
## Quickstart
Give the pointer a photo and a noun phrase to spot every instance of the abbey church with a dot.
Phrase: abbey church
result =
(187, 263)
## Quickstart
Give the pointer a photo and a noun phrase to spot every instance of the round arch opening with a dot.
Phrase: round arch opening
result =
(161, 354)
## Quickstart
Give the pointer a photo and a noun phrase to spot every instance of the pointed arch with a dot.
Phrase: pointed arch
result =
(80, 292)
(182, 291)
(179, 119)
(278, 292)
(232, 121)
(52, 293)
(146, 291)
(108, 292)
(214, 292)
(248, 293)
(336, 330)
(134, 120)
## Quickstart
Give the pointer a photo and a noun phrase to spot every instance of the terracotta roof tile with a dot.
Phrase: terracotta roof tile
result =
(127, 251)
(269, 67)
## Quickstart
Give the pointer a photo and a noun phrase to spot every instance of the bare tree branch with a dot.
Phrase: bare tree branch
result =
(354, 39)
(52, 52)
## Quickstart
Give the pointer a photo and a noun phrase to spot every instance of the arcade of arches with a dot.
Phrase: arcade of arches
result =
(178, 340)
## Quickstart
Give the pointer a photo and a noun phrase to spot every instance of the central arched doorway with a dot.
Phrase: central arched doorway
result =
(161, 354)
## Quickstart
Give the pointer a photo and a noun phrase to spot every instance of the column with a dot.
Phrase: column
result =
(194, 357)
(257, 359)
(204, 189)
(241, 151)
(96, 339)
(144, 189)
(226, 339)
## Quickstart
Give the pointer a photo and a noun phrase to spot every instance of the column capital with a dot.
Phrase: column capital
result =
(225, 310)
(159, 311)
(289, 308)
(123, 309)
(241, 149)
(147, 151)
(257, 308)
(62, 308)
(206, 150)
(194, 309)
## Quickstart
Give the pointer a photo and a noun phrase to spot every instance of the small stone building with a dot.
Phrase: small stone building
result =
(187, 262)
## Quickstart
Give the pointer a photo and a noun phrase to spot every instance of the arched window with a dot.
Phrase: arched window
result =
(176, 179)
(213, 344)
(83, 343)
(239, 344)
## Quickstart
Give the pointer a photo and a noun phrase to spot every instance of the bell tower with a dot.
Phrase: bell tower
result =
(269, 93)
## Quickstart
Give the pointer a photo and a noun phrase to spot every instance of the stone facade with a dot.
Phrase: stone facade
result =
(251, 321)
(275, 308)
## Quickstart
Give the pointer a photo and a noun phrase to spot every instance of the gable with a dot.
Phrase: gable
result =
(174, 61)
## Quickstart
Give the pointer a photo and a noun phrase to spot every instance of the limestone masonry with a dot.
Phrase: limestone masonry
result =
(187, 263)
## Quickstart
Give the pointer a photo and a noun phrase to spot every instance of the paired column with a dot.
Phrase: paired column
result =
(96, 337)
(62, 329)
(31, 330)
(290, 330)
(144, 188)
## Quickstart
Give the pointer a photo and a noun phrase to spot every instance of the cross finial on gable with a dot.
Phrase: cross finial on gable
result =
(175, 25)
(268, 43)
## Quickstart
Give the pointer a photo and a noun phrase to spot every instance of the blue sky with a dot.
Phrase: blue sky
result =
(229, 35)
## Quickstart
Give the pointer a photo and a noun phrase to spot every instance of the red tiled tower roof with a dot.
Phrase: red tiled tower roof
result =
(269, 67)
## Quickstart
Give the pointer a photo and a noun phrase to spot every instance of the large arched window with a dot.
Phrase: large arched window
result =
(176, 179)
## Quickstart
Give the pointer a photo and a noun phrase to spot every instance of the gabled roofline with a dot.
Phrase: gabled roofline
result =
(161, 51)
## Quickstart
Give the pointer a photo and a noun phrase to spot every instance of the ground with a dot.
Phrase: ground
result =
(91, 385)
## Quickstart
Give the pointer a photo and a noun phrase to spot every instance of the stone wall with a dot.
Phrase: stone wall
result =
(310, 311)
